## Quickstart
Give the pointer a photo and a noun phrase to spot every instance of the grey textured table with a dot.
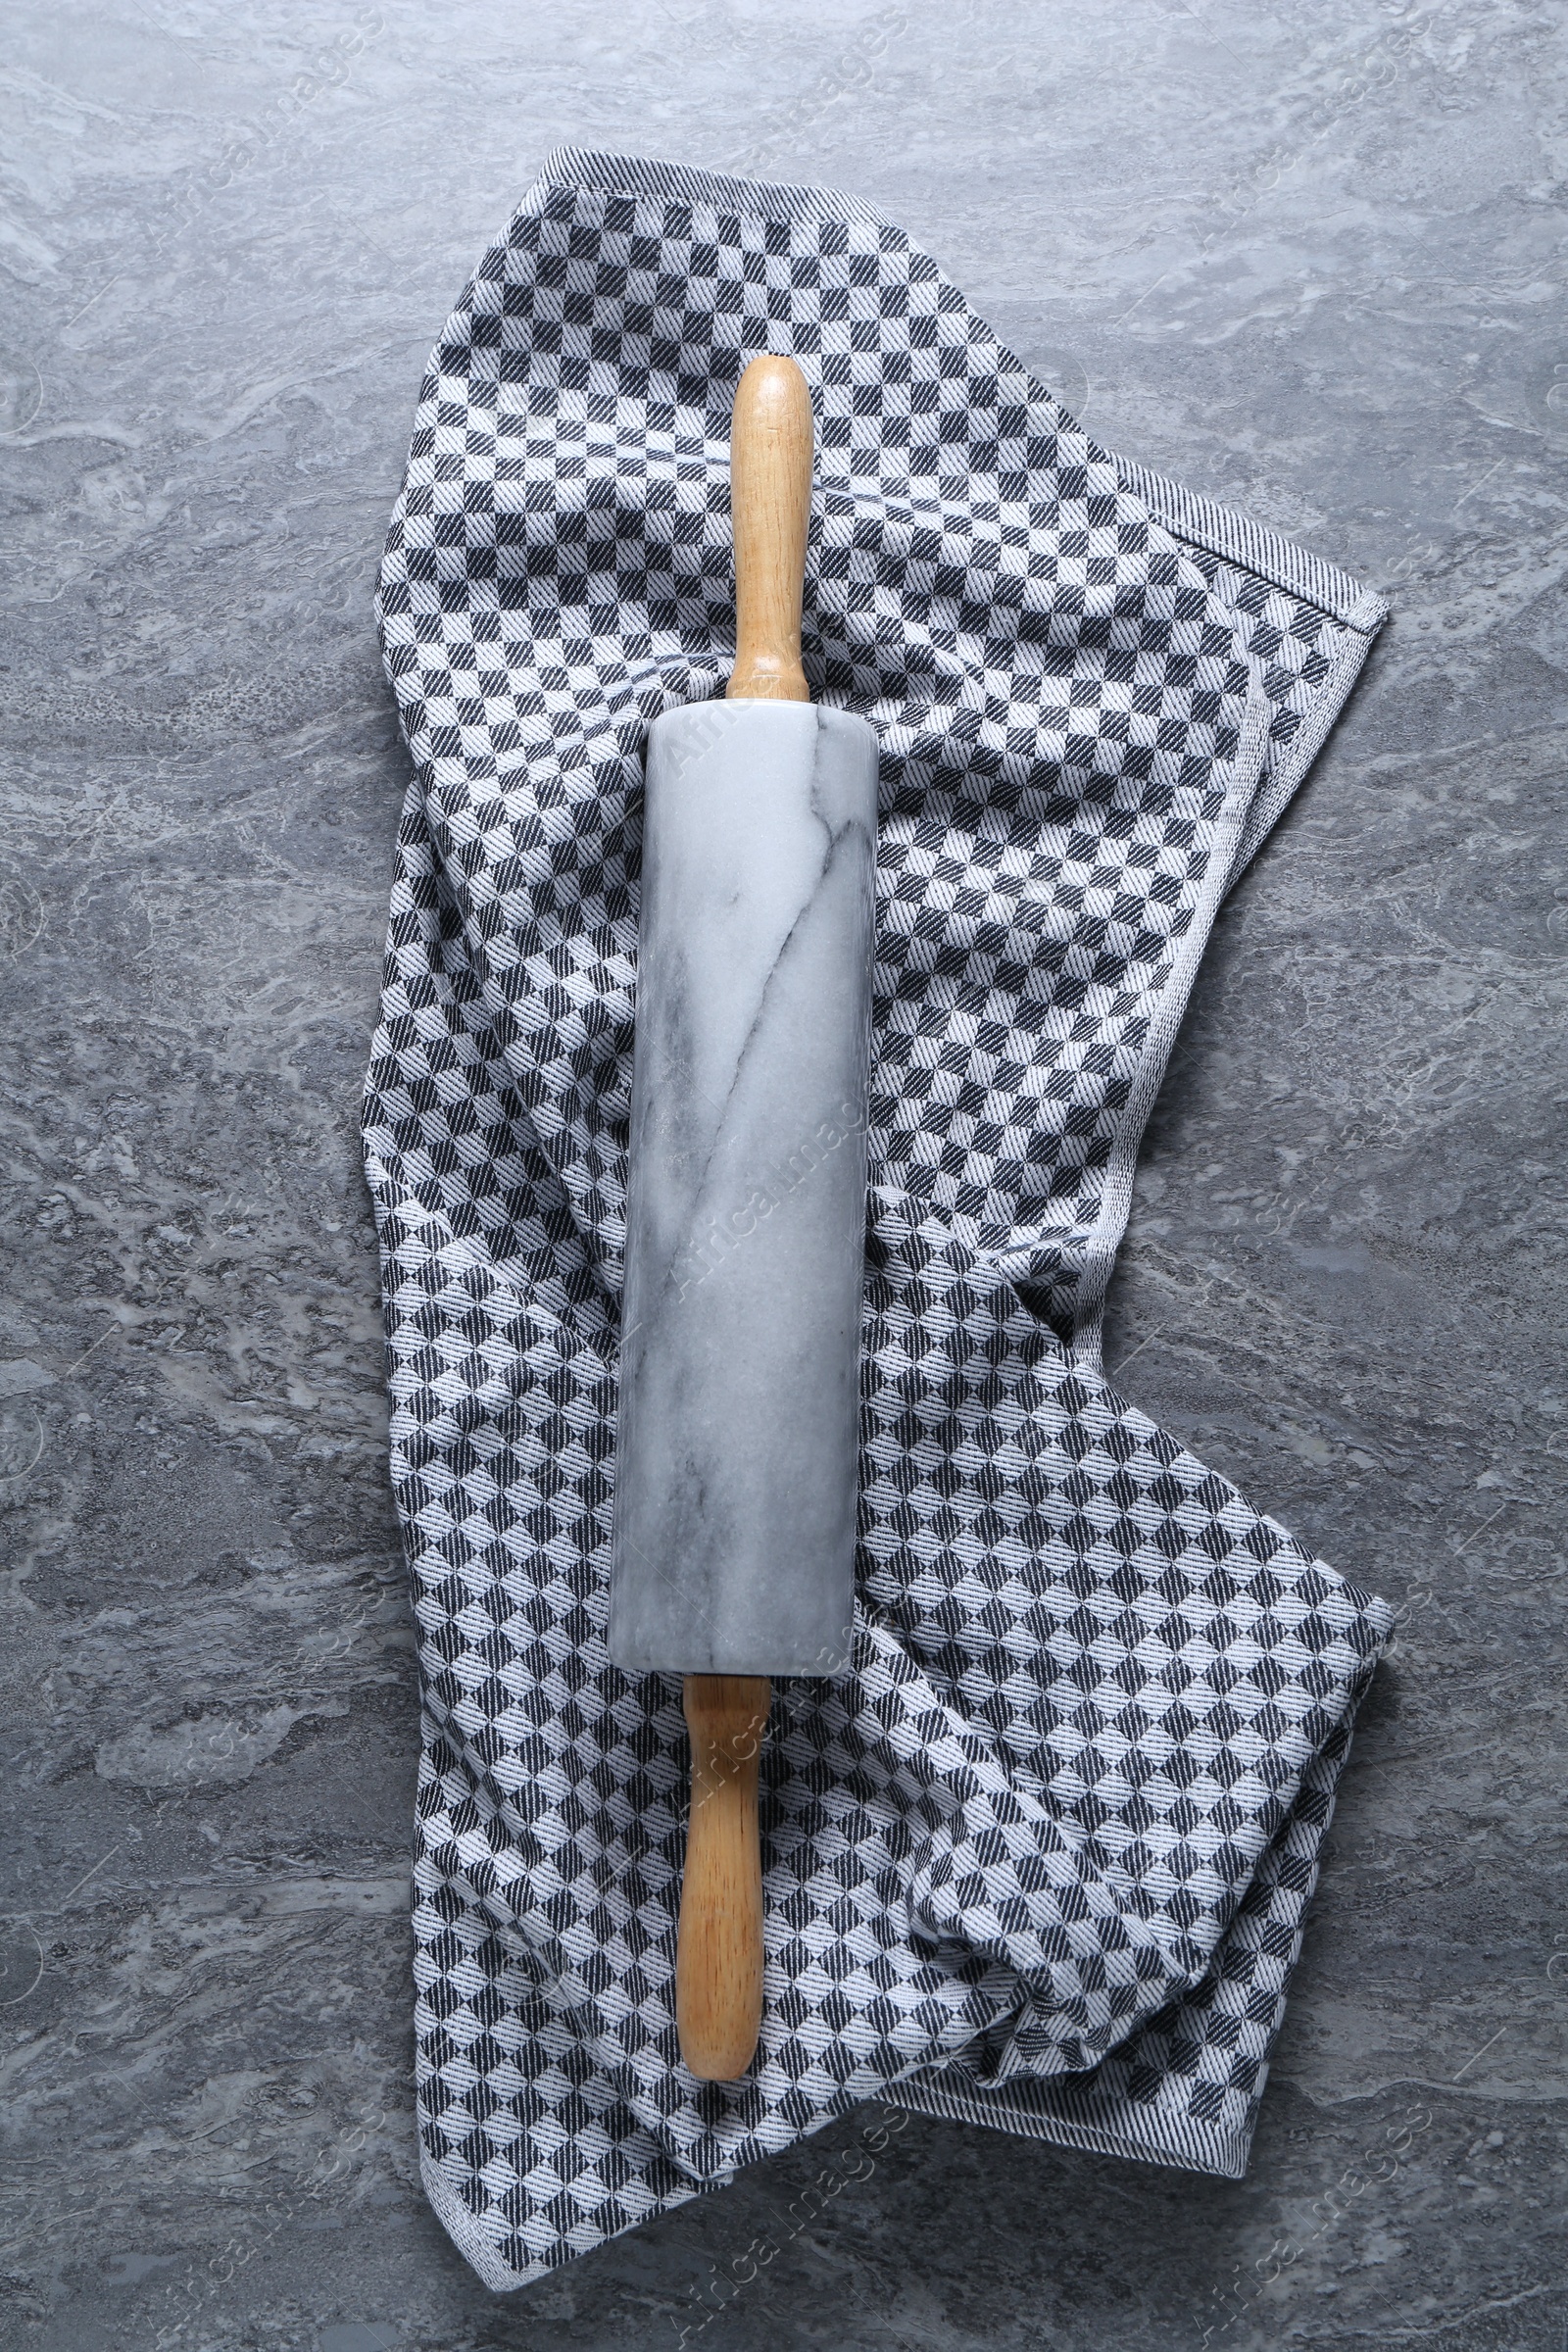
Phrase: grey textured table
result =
(1307, 262)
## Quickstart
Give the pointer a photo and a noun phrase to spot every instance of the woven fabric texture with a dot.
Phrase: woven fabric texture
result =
(1042, 1859)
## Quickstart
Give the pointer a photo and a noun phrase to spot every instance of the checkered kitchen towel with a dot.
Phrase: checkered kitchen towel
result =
(1041, 1861)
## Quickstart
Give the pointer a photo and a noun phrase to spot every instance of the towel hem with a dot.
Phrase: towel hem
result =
(1185, 2147)
(1280, 783)
(479, 2250)
(1233, 536)
(1116, 1198)
(686, 183)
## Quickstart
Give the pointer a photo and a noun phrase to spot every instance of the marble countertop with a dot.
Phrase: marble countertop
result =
(1308, 263)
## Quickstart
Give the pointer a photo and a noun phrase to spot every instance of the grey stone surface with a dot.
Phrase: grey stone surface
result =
(1308, 261)
(737, 1442)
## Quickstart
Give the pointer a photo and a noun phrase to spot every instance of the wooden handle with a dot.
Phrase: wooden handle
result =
(718, 1959)
(770, 505)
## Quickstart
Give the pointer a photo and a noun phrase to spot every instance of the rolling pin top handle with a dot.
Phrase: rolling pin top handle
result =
(770, 454)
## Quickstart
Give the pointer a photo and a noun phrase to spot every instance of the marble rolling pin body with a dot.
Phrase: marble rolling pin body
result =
(736, 1474)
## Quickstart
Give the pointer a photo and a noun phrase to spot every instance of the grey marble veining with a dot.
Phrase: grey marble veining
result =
(735, 1482)
(1308, 261)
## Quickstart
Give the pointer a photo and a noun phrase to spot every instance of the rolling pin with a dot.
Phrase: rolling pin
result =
(733, 1550)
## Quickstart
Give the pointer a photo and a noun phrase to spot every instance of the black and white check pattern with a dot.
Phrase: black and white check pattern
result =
(1042, 1859)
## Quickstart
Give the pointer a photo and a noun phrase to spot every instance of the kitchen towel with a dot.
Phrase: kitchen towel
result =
(1040, 1860)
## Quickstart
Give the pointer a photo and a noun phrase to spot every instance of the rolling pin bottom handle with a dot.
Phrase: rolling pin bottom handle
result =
(718, 1956)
